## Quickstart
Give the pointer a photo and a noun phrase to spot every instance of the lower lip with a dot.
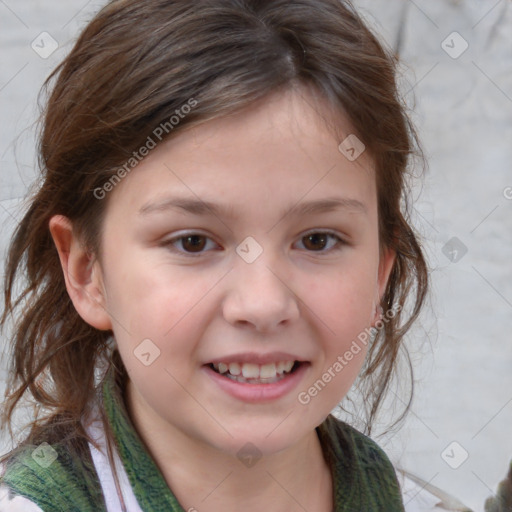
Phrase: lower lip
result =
(255, 393)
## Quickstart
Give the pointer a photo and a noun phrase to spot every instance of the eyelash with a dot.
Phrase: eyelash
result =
(170, 243)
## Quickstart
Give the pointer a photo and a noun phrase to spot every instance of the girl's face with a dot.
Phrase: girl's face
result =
(240, 263)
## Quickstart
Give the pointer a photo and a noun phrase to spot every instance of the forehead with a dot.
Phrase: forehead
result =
(279, 151)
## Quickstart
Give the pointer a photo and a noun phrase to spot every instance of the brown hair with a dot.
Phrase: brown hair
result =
(132, 68)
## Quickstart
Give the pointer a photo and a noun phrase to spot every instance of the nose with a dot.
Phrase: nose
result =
(259, 298)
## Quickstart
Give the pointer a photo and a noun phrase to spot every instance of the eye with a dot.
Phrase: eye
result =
(193, 244)
(190, 243)
(317, 241)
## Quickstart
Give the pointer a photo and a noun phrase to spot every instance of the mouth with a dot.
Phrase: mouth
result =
(251, 373)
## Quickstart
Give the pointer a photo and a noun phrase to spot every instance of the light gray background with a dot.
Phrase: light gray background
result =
(463, 109)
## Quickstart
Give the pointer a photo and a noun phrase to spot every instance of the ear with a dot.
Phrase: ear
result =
(82, 273)
(386, 263)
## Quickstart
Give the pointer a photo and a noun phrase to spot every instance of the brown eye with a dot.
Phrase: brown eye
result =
(318, 241)
(193, 243)
(315, 241)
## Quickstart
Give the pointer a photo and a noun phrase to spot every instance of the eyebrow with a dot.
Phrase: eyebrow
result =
(198, 207)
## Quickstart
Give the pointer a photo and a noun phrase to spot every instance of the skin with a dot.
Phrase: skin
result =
(196, 308)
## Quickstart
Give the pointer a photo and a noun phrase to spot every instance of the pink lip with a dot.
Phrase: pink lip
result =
(255, 358)
(255, 393)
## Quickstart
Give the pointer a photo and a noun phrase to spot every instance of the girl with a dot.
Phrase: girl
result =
(217, 250)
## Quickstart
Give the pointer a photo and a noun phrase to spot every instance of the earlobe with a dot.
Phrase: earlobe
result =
(387, 261)
(82, 274)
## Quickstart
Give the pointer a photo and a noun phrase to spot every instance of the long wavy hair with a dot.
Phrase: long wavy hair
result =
(134, 66)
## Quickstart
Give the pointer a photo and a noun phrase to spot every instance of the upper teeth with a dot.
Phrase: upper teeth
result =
(255, 371)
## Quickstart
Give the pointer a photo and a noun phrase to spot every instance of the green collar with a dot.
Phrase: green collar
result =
(363, 477)
(148, 484)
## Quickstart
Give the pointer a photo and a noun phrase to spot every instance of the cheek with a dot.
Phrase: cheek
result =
(165, 306)
(152, 298)
(343, 300)
(345, 305)
(345, 310)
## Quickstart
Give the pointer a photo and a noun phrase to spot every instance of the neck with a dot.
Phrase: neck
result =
(205, 478)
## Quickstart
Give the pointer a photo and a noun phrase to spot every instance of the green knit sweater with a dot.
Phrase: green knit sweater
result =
(363, 477)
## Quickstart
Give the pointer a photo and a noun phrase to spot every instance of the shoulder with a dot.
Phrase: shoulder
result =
(10, 502)
(30, 465)
(54, 477)
(355, 448)
(361, 457)
(363, 474)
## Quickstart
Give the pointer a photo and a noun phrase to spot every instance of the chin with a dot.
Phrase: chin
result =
(262, 438)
